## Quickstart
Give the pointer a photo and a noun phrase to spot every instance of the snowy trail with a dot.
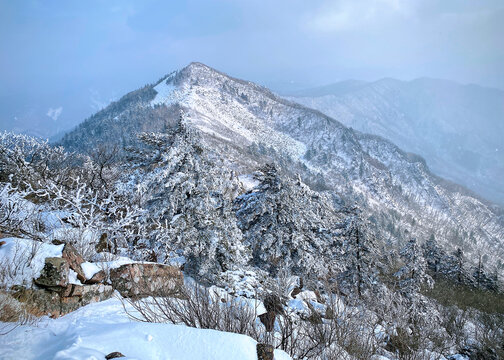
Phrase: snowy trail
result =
(98, 329)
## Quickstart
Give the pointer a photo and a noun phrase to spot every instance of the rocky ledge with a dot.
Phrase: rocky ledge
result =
(63, 285)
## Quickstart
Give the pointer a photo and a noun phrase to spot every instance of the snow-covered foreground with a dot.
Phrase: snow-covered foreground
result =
(101, 328)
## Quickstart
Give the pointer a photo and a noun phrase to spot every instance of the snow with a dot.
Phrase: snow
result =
(213, 133)
(75, 235)
(297, 304)
(89, 269)
(222, 115)
(459, 357)
(244, 283)
(101, 328)
(72, 278)
(177, 261)
(431, 355)
(52, 219)
(307, 295)
(174, 218)
(167, 93)
(16, 268)
(248, 181)
(380, 333)
(22, 260)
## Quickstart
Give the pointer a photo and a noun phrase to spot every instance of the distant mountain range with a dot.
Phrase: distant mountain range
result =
(458, 129)
(250, 126)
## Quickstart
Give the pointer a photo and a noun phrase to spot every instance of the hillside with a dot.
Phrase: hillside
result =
(248, 125)
(208, 201)
(457, 128)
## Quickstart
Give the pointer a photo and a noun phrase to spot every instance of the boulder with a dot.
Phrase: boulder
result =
(265, 352)
(140, 280)
(97, 278)
(70, 290)
(74, 260)
(95, 293)
(54, 274)
(38, 302)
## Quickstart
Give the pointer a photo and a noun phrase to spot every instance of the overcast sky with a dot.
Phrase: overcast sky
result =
(65, 59)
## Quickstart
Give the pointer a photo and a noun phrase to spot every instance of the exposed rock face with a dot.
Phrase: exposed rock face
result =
(295, 292)
(97, 278)
(56, 295)
(265, 352)
(114, 355)
(54, 274)
(274, 307)
(38, 302)
(74, 260)
(41, 302)
(133, 280)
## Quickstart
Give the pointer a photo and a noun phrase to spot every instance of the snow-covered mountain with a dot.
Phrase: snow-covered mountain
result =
(249, 126)
(457, 128)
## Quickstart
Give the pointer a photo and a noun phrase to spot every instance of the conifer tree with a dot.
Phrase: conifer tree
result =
(413, 273)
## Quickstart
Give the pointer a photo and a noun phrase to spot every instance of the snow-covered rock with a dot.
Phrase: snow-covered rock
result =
(22, 260)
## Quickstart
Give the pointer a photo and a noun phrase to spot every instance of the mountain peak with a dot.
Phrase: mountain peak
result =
(197, 70)
(197, 67)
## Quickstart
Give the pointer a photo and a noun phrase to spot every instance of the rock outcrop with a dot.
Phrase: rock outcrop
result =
(62, 285)
(114, 355)
(139, 280)
(40, 302)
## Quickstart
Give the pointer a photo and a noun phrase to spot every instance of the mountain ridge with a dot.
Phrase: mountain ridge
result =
(249, 125)
(456, 128)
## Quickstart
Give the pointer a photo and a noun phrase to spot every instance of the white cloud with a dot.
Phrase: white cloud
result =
(349, 15)
(54, 113)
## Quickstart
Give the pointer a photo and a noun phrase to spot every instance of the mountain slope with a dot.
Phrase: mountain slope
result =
(457, 128)
(248, 125)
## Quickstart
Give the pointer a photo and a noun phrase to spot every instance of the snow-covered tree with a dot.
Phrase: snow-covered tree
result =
(481, 277)
(412, 275)
(289, 226)
(360, 254)
(433, 254)
(188, 194)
